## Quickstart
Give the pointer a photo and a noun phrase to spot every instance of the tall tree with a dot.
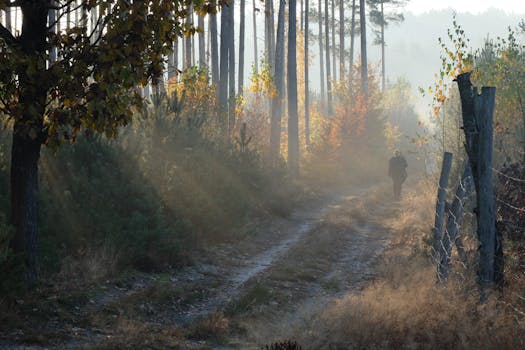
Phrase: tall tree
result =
(188, 42)
(328, 68)
(332, 22)
(224, 68)
(341, 40)
(293, 118)
(214, 49)
(202, 45)
(91, 87)
(321, 56)
(231, 68)
(352, 38)
(269, 34)
(364, 61)
(380, 20)
(275, 121)
(255, 53)
(306, 77)
(241, 46)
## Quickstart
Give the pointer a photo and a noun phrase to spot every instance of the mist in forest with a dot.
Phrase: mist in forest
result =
(342, 178)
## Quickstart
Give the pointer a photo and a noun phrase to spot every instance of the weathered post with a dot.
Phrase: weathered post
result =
(477, 113)
(486, 218)
(454, 219)
(440, 205)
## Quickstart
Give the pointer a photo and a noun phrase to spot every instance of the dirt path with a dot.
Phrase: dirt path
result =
(244, 294)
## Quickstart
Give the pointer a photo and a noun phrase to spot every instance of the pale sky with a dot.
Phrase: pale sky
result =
(473, 6)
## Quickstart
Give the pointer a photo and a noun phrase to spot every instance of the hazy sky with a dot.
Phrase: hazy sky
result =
(474, 6)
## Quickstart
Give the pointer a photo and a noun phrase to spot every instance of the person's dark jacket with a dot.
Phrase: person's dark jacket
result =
(397, 168)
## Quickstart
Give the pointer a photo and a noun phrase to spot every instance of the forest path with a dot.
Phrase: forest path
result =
(237, 295)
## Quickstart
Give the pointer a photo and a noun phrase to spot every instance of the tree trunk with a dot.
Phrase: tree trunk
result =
(231, 69)
(27, 141)
(255, 53)
(293, 119)
(328, 68)
(241, 47)
(352, 40)
(383, 70)
(223, 78)
(440, 206)
(188, 49)
(214, 50)
(277, 110)
(341, 40)
(334, 55)
(269, 36)
(364, 61)
(306, 78)
(202, 45)
(321, 57)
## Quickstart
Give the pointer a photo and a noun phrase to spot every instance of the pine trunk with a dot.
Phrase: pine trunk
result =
(364, 61)
(328, 68)
(241, 47)
(223, 74)
(352, 40)
(321, 57)
(231, 70)
(341, 40)
(255, 53)
(277, 110)
(202, 45)
(293, 119)
(306, 78)
(214, 50)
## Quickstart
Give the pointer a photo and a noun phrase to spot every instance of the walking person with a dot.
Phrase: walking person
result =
(397, 170)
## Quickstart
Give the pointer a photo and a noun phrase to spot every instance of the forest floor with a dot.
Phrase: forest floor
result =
(238, 295)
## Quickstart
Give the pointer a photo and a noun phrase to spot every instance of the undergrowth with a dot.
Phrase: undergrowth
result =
(405, 309)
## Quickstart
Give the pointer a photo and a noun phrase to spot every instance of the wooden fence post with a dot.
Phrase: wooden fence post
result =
(454, 219)
(440, 205)
(477, 113)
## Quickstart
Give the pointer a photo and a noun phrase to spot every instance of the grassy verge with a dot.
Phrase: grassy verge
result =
(404, 309)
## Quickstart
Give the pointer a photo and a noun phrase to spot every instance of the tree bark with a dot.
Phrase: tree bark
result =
(224, 62)
(214, 50)
(383, 70)
(306, 77)
(334, 62)
(328, 68)
(364, 60)
(202, 45)
(269, 35)
(241, 46)
(277, 110)
(321, 57)
(188, 49)
(440, 206)
(255, 53)
(352, 39)
(27, 140)
(293, 119)
(341, 40)
(231, 69)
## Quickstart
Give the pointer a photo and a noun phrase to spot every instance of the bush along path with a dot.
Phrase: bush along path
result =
(237, 295)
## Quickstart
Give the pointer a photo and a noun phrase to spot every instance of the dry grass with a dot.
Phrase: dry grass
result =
(90, 265)
(404, 309)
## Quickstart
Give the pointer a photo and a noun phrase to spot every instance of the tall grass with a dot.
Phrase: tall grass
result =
(405, 309)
